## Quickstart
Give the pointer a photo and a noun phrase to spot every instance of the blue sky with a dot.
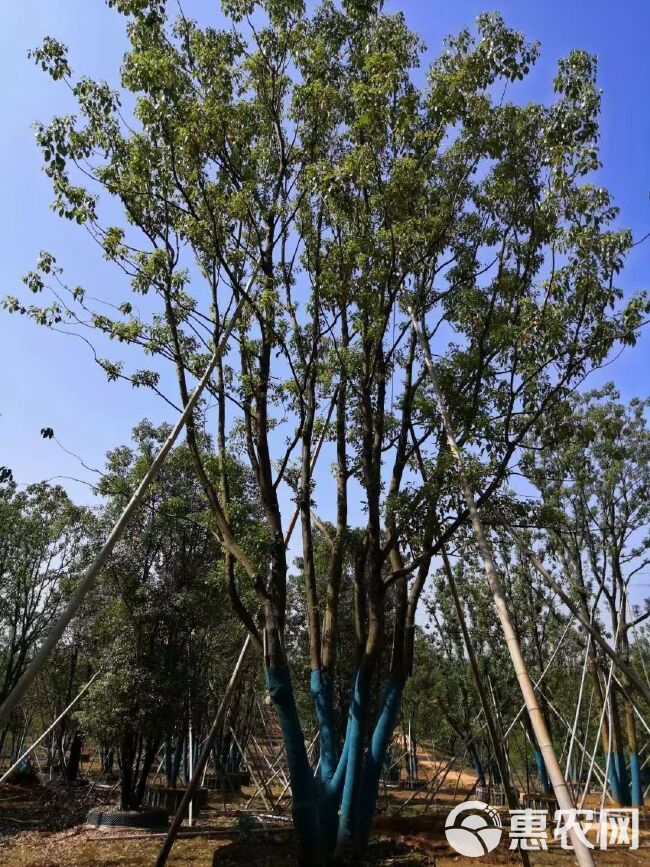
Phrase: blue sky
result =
(49, 380)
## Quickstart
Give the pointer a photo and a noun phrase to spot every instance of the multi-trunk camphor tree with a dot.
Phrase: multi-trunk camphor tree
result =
(297, 641)
(594, 479)
(297, 148)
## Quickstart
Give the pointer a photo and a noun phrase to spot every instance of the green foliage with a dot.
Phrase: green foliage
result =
(158, 624)
(593, 475)
(45, 542)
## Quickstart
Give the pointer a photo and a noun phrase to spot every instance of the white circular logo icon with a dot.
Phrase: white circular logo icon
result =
(473, 829)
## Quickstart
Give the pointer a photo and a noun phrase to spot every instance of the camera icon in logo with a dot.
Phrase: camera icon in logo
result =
(473, 829)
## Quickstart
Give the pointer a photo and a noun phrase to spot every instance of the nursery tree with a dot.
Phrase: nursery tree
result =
(594, 477)
(538, 625)
(151, 623)
(43, 545)
(298, 150)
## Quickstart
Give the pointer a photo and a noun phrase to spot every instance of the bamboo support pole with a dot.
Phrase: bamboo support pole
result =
(563, 795)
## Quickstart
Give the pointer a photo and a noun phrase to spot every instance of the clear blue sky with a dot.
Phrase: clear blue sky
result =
(49, 380)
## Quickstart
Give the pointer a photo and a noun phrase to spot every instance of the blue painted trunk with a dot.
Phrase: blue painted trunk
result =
(305, 810)
(480, 773)
(542, 774)
(375, 757)
(636, 788)
(614, 784)
(331, 772)
(347, 836)
(177, 760)
(321, 691)
(335, 810)
(618, 759)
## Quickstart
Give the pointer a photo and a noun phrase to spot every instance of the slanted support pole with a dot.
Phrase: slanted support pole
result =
(497, 746)
(560, 788)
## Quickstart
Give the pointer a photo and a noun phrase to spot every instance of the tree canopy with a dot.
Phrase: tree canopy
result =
(293, 160)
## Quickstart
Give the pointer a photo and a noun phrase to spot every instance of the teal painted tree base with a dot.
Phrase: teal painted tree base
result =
(478, 766)
(636, 787)
(542, 773)
(333, 809)
(624, 795)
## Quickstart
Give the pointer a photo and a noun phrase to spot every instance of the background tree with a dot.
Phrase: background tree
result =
(594, 482)
(43, 545)
(159, 623)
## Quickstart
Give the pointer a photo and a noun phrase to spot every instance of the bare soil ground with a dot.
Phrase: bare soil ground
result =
(403, 842)
(42, 826)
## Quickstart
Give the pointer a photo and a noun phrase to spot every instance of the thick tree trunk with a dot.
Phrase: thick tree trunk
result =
(127, 758)
(169, 762)
(178, 756)
(321, 688)
(335, 567)
(478, 765)
(618, 753)
(74, 759)
(148, 759)
(542, 775)
(333, 813)
(636, 788)
(347, 837)
(374, 761)
(305, 808)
